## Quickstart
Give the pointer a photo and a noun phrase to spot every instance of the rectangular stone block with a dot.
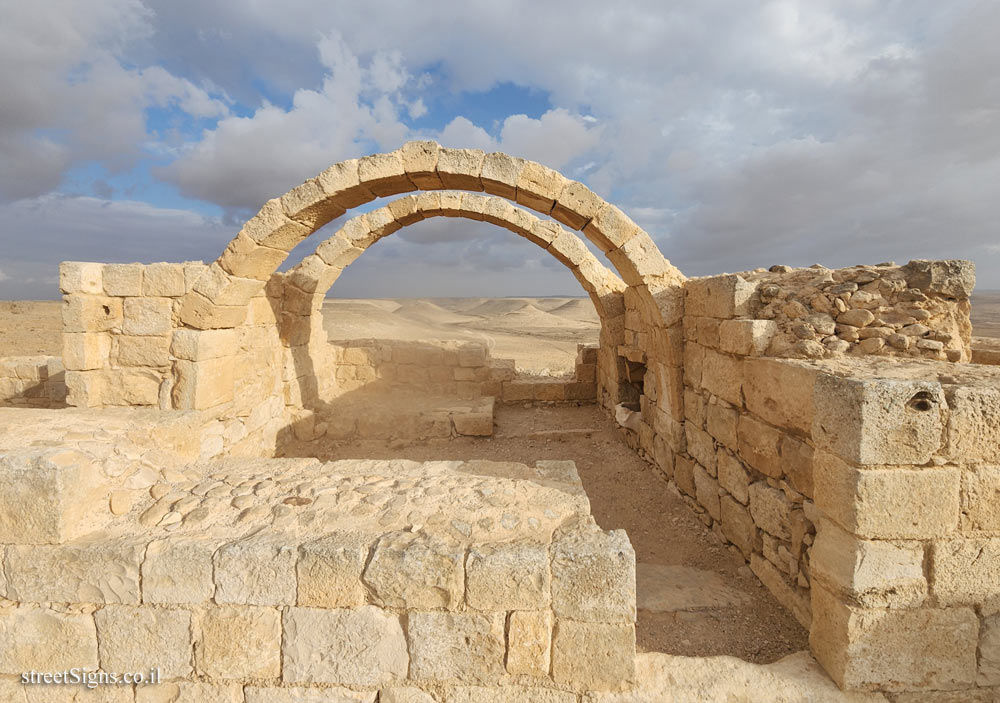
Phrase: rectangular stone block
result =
(458, 647)
(593, 656)
(593, 577)
(134, 638)
(189, 692)
(733, 476)
(508, 576)
(722, 376)
(724, 297)
(201, 313)
(898, 649)
(871, 574)
(529, 642)
(738, 526)
(746, 337)
(780, 391)
(980, 499)
(771, 510)
(878, 421)
(576, 205)
(147, 316)
(179, 570)
(887, 502)
(199, 385)
(610, 228)
(123, 279)
(50, 496)
(102, 571)
(143, 351)
(329, 570)
(84, 351)
(239, 643)
(973, 433)
(684, 475)
(163, 280)
(416, 570)
(91, 313)
(967, 572)
(81, 277)
(202, 345)
(256, 571)
(39, 639)
(707, 492)
(721, 423)
(701, 446)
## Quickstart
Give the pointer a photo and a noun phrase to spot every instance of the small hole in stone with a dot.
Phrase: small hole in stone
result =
(107, 310)
(922, 401)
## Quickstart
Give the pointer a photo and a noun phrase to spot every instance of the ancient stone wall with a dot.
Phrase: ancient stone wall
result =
(33, 381)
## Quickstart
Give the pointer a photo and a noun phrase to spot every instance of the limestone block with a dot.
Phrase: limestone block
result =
(593, 576)
(39, 639)
(593, 656)
(610, 228)
(222, 288)
(738, 526)
(721, 422)
(508, 576)
(500, 174)
(202, 345)
(143, 351)
(239, 643)
(474, 424)
(123, 279)
(342, 182)
(81, 277)
(309, 205)
(65, 687)
(199, 312)
(706, 491)
(746, 337)
(147, 316)
(102, 571)
(770, 509)
(733, 476)
(872, 574)
(199, 385)
(163, 280)
(722, 375)
(189, 692)
(980, 499)
(880, 421)
(568, 248)
(134, 638)
(247, 259)
(420, 160)
(361, 647)
(271, 227)
(460, 169)
(639, 260)
(456, 647)
(499, 212)
(403, 694)
(724, 297)
(576, 205)
(416, 570)
(973, 424)
(50, 496)
(887, 503)
(329, 570)
(894, 649)
(84, 351)
(338, 251)
(302, 694)
(989, 652)
(953, 278)
(381, 223)
(470, 356)
(966, 572)
(179, 570)
(258, 570)
(780, 391)
(684, 475)
(538, 186)
(91, 313)
(529, 642)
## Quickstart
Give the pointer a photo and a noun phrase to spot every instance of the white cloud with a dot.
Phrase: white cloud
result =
(3, 276)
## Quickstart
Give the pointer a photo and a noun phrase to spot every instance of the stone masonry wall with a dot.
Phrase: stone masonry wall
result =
(33, 381)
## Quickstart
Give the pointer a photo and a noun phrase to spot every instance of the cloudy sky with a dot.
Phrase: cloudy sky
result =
(739, 134)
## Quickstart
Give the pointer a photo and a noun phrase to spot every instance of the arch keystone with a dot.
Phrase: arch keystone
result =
(460, 169)
(420, 160)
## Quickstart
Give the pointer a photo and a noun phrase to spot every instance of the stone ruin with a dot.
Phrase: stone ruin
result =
(827, 424)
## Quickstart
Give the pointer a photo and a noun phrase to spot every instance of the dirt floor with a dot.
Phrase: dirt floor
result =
(625, 492)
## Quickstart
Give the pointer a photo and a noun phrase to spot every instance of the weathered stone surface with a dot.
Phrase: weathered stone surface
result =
(189, 692)
(163, 280)
(506, 694)
(878, 421)
(966, 572)
(954, 278)
(794, 679)
(256, 571)
(133, 638)
(179, 570)
(416, 570)
(873, 574)
(733, 476)
(529, 642)
(508, 576)
(706, 491)
(746, 337)
(81, 277)
(887, 503)
(39, 639)
(83, 351)
(738, 526)
(989, 652)
(593, 656)
(666, 588)
(239, 643)
(105, 571)
(721, 423)
(780, 391)
(403, 694)
(361, 647)
(200, 385)
(770, 509)
(973, 424)
(722, 375)
(895, 649)
(147, 316)
(329, 570)
(202, 345)
(593, 577)
(981, 499)
(785, 593)
(459, 647)
(723, 297)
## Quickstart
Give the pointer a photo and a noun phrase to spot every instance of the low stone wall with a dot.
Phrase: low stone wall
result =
(291, 580)
(33, 381)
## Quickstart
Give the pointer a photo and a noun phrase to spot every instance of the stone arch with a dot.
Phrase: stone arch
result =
(305, 285)
(220, 297)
